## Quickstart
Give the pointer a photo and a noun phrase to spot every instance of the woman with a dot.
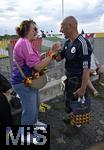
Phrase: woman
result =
(28, 58)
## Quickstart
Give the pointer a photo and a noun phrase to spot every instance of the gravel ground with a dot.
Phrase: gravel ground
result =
(66, 137)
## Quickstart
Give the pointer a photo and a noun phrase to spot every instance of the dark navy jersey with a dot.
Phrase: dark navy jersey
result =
(77, 55)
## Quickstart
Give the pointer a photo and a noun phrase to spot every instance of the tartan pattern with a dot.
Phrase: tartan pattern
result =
(80, 119)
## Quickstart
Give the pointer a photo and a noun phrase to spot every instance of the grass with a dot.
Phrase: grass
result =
(44, 48)
(3, 56)
(54, 39)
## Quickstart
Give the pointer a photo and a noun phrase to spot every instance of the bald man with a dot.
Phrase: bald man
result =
(76, 51)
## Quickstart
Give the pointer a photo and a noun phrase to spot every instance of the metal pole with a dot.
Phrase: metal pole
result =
(62, 9)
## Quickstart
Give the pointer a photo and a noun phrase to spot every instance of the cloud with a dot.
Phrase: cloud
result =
(1, 10)
(10, 9)
(48, 13)
(102, 23)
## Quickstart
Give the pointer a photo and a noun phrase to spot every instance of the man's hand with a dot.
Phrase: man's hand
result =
(79, 92)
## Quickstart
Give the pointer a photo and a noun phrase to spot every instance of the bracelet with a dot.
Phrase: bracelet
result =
(50, 54)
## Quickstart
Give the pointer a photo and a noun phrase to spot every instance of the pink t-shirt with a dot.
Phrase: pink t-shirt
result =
(26, 57)
(24, 52)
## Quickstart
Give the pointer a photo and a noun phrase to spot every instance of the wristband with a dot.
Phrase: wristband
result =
(50, 54)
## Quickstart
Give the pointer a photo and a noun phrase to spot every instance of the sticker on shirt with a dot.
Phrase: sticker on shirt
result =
(66, 48)
(73, 50)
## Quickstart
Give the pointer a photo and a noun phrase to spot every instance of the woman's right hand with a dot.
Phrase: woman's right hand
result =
(56, 47)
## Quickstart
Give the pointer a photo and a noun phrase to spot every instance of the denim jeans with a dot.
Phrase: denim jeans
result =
(30, 104)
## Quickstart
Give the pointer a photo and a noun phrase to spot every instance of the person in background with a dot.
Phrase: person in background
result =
(96, 68)
(92, 88)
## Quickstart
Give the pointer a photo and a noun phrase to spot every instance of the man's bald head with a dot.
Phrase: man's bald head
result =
(70, 20)
(69, 27)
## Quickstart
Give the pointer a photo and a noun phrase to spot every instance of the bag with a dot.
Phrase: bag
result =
(13, 99)
(36, 83)
(39, 83)
(81, 111)
(5, 111)
(7, 91)
(4, 84)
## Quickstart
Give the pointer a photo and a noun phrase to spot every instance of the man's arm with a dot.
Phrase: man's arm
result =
(85, 78)
(86, 57)
(81, 91)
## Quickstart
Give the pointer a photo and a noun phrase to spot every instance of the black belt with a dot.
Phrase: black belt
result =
(74, 75)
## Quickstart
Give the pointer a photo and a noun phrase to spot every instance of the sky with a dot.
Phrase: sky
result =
(48, 14)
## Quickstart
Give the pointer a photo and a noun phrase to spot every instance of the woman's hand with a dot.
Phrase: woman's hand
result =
(56, 47)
